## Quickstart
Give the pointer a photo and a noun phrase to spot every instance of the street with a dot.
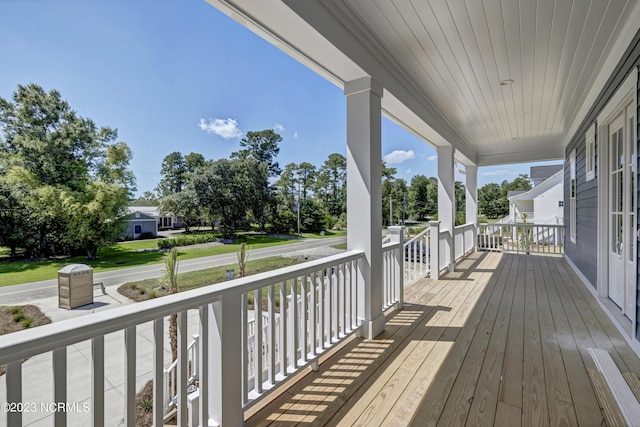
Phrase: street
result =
(27, 292)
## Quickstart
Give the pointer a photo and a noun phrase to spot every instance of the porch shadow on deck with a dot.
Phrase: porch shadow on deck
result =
(502, 341)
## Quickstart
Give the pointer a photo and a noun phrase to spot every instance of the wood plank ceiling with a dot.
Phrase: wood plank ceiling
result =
(508, 74)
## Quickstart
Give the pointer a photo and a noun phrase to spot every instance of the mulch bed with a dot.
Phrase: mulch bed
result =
(10, 323)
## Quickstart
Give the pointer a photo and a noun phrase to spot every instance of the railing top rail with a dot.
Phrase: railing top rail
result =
(390, 246)
(463, 226)
(30, 342)
(533, 224)
(418, 236)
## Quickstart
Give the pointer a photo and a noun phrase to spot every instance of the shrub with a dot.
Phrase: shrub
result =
(186, 240)
(26, 323)
(146, 235)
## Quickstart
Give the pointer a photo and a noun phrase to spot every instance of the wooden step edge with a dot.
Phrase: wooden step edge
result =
(633, 382)
(618, 387)
(605, 398)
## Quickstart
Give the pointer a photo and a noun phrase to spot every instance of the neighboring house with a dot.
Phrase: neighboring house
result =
(164, 222)
(137, 223)
(544, 203)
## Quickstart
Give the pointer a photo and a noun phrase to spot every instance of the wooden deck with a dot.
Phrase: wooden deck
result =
(502, 341)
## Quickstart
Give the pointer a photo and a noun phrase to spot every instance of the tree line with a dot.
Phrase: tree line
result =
(65, 184)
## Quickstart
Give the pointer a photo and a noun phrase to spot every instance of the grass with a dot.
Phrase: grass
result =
(152, 288)
(341, 246)
(121, 255)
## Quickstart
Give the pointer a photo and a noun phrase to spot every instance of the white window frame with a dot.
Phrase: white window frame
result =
(590, 159)
(626, 93)
(573, 191)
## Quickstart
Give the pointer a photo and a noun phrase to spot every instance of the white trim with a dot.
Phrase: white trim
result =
(624, 397)
(573, 193)
(590, 147)
(626, 93)
(631, 340)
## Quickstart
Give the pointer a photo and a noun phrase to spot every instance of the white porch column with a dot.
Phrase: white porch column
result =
(364, 196)
(471, 200)
(447, 201)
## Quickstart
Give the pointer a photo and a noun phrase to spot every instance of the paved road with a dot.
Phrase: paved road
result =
(24, 293)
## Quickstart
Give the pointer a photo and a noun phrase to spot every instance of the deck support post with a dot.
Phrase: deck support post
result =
(225, 332)
(471, 201)
(364, 197)
(447, 202)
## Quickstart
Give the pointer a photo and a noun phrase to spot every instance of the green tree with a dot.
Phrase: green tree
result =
(423, 197)
(261, 146)
(222, 191)
(95, 215)
(306, 176)
(50, 157)
(184, 205)
(148, 198)
(192, 162)
(173, 172)
(331, 184)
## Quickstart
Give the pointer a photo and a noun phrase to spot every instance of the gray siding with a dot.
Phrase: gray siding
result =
(584, 252)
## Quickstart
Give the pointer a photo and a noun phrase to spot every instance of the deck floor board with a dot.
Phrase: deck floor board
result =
(502, 341)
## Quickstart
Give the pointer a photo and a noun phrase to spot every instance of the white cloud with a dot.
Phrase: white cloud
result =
(295, 134)
(399, 156)
(278, 127)
(408, 171)
(432, 158)
(228, 129)
(499, 172)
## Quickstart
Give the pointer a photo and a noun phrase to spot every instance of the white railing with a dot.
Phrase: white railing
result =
(445, 253)
(393, 278)
(328, 289)
(171, 374)
(464, 237)
(522, 238)
(417, 256)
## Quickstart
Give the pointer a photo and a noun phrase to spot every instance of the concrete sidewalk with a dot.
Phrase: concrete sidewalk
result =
(37, 372)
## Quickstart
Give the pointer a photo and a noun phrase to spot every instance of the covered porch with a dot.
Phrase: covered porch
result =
(501, 341)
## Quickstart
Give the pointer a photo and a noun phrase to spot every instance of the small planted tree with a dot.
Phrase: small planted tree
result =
(171, 279)
(243, 258)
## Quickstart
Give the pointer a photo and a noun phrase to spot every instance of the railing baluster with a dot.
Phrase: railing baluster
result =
(129, 376)
(59, 359)
(14, 391)
(258, 340)
(295, 324)
(244, 320)
(305, 319)
(313, 307)
(158, 372)
(182, 375)
(322, 307)
(97, 380)
(330, 305)
(272, 334)
(203, 365)
(283, 328)
(344, 299)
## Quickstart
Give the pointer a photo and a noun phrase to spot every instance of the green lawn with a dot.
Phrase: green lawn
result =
(151, 288)
(119, 256)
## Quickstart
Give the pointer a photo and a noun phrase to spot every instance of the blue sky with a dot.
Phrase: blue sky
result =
(180, 76)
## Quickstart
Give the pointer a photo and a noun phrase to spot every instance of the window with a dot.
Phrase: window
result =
(572, 196)
(137, 229)
(560, 203)
(591, 152)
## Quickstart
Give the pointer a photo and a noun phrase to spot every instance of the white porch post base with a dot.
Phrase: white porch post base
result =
(372, 328)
